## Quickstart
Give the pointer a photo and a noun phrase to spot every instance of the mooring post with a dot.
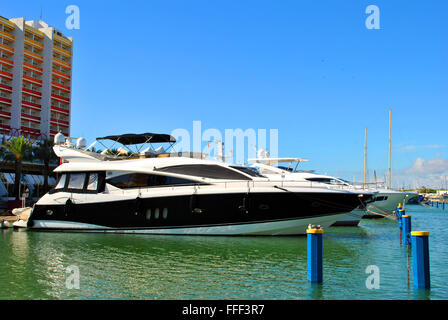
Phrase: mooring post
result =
(443, 205)
(437, 204)
(400, 212)
(420, 259)
(314, 255)
(406, 234)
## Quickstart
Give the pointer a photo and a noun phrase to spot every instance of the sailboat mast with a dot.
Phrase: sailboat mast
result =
(365, 158)
(390, 144)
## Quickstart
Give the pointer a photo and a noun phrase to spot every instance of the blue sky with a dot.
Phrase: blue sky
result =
(310, 69)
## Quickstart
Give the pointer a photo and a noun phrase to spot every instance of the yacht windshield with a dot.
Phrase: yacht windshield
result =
(206, 170)
(326, 180)
(250, 171)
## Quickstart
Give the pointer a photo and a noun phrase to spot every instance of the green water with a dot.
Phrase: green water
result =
(34, 264)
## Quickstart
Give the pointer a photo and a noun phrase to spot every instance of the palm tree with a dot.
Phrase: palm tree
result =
(18, 147)
(43, 151)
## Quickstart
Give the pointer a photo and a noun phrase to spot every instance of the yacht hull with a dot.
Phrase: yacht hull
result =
(288, 227)
(386, 206)
(352, 219)
(269, 213)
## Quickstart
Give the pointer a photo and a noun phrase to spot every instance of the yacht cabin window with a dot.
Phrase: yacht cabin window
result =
(92, 184)
(76, 180)
(61, 183)
(142, 180)
(80, 182)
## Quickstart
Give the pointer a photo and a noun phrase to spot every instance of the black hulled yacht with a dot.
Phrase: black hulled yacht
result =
(160, 192)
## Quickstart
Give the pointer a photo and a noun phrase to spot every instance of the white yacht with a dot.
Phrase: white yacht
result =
(164, 192)
(266, 167)
(383, 203)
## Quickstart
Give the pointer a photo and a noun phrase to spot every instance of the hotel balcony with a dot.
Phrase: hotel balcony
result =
(60, 98)
(63, 123)
(6, 48)
(30, 131)
(61, 75)
(33, 55)
(5, 114)
(7, 36)
(62, 40)
(33, 93)
(6, 75)
(7, 23)
(60, 110)
(61, 63)
(5, 87)
(34, 43)
(5, 127)
(7, 62)
(33, 68)
(34, 31)
(56, 85)
(32, 80)
(31, 105)
(62, 52)
(29, 117)
(6, 101)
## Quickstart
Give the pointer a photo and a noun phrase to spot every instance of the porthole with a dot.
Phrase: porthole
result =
(156, 213)
(148, 214)
(165, 213)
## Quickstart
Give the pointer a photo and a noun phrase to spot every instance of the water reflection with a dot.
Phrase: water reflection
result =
(114, 266)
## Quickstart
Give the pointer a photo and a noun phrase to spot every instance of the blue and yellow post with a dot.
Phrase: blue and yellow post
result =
(420, 259)
(314, 255)
(399, 212)
(406, 229)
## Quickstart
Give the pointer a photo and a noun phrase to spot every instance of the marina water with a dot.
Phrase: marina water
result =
(38, 265)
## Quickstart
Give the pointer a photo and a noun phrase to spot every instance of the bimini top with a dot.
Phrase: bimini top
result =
(132, 138)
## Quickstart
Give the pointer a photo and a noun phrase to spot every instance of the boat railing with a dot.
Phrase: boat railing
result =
(246, 186)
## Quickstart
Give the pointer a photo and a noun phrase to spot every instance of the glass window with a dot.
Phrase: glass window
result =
(250, 171)
(61, 182)
(76, 181)
(141, 180)
(207, 171)
(93, 182)
(326, 180)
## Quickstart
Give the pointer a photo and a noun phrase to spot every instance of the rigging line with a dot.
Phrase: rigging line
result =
(385, 216)
(385, 212)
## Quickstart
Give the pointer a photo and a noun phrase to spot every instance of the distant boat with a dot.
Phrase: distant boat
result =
(266, 166)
